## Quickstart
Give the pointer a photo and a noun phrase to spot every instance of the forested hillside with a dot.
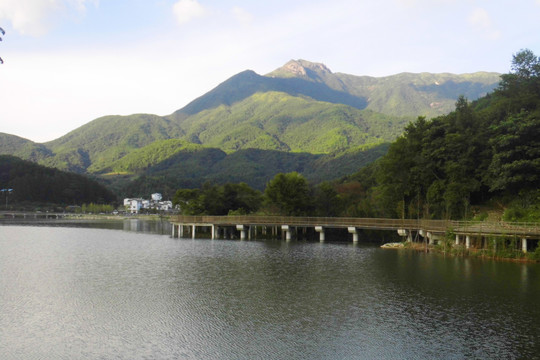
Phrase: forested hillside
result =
(483, 152)
(278, 121)
(32, 183)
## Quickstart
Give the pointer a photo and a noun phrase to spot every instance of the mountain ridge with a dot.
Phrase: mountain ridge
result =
(301, 107)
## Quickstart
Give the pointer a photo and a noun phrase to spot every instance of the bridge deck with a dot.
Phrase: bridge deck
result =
(436, 226)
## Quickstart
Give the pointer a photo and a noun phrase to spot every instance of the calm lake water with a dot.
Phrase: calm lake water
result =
(129, 293)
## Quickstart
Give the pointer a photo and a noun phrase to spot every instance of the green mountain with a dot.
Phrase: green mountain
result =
(39, 184)
(94, 146)
(300, 117)
(404, 94)
(23, 148)
(278, 121)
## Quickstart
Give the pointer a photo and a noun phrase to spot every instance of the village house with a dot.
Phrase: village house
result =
(135, 205)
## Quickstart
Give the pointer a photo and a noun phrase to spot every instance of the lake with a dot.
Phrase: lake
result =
(127, 290)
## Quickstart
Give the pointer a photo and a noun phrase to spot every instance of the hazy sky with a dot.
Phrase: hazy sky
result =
(68, 62)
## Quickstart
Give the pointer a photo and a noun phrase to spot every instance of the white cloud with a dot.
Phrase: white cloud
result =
(36, 17)
(480, 19)
(243, 16)
(187, 10)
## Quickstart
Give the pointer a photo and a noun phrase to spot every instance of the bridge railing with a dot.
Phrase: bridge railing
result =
(440, 226)
(497, 228)
(379, 223)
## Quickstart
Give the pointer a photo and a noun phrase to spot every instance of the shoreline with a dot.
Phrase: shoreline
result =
(460, 252)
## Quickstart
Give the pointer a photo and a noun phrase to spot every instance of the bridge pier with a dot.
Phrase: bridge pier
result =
(288, 232)
(353, 230)
(433, 237)
(242, 230)
(430, 230)
(405, 233)
(320, 230)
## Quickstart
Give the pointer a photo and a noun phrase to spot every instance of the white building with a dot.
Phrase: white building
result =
(133, 205)
(165, 205)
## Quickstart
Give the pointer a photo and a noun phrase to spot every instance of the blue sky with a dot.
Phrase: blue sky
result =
(68, 62)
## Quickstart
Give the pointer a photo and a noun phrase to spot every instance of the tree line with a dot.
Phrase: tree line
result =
(287, 194)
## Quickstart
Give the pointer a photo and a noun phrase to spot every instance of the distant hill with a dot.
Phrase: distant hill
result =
(278, 121)
(94, 146)
(39, 184)
(174, 165)
(246, 129)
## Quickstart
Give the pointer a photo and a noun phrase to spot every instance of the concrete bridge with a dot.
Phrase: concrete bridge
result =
(467, 233)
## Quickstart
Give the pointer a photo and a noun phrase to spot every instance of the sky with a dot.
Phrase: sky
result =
(68, 62)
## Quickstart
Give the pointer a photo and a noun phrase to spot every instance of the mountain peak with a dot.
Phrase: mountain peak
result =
(301, 68)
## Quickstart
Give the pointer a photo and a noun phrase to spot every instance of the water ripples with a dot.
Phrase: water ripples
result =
(104, 294)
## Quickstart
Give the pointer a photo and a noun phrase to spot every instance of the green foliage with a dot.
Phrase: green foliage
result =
(440, 168)
(535, 255)
(516, 160)
(218, 200)
(38, 184)
(153, 154)
(288, 194)
(190, 201)
(107, 139)
(327, 200)
(279, 121)
(524, 208)
(423, 94)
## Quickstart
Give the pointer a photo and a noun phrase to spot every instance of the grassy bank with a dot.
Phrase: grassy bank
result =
(494, 248)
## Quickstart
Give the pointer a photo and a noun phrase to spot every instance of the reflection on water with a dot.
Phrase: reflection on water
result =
(151, 226)
(92, 293)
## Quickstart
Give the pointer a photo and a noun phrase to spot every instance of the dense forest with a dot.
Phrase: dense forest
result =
(36, 184)
(483, 155)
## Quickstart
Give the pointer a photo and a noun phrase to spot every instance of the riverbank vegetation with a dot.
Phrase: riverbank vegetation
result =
(491, 247)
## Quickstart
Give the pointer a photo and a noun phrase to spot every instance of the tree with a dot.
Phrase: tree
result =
(516, 161)
(189, 200)
(218, 200)
(241, 199)
(525, 64)
(289, 194)
(327, 200)
(520, 89)
(3, 33)
(516, 149)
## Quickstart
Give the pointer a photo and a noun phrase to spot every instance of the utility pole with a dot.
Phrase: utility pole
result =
(6, 192)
